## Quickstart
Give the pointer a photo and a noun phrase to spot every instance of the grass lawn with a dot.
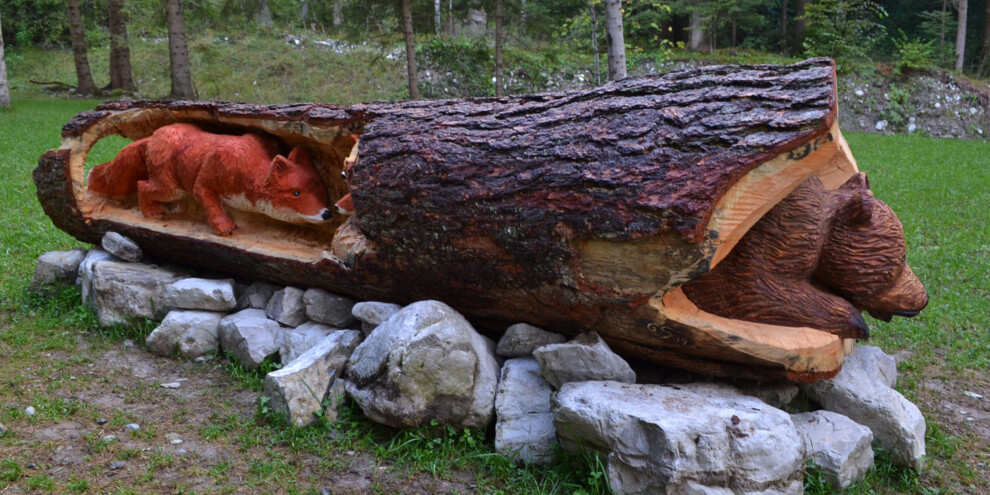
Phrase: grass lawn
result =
(939, 188)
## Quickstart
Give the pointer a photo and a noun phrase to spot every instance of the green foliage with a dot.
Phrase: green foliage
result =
(912, 54)
(10, 471)
(934, 26)
(899, 106)
(846, 30)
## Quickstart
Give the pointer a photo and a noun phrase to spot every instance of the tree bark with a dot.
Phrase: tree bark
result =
(783, 23)
(961, 35)
(4, 87)
(616, 42)
(121, 74)
(338, 13)
(84, 78)
(182, 86)
(263, 16)
(411, 71)
(436, 16)
(594, 44)
(799, 25)
(575, 211)
(499, 37)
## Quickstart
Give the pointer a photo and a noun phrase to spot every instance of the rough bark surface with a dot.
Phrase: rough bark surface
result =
(182, 86)
(499, 38)
(961, 34)
(489, 204)
(84, 78)
(616, 41)
(121, 75)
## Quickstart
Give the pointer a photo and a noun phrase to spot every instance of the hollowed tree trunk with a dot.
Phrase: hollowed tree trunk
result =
(573, 211)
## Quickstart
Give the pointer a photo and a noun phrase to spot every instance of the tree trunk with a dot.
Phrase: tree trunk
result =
(436, 16)
(986, 34)
(182, 86)
(338, 13)
(697, 31)
(499, 37)
(961, 35)
(411, 70)
(84, 78)
(783, 23)
(263, 16)
(734, 23)
(799, 25)
(121, 74)
(594, 44)
(941, 27)
(4, 87)
(575, 211)
(304, 12)
(616, 42)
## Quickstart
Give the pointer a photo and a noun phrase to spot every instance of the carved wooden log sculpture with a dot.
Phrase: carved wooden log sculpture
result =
(622, 209)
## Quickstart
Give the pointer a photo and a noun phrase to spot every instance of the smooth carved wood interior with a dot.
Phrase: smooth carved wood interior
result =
(328, 147)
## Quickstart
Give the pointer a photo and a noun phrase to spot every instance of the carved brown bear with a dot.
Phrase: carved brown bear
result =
(817, 259)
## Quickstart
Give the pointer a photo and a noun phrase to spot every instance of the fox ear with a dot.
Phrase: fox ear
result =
(299, 156)
(858, 181)
(280, 167)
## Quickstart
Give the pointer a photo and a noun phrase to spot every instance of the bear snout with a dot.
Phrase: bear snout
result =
(905, 296)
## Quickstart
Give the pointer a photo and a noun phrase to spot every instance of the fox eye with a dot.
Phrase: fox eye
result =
(295, 193)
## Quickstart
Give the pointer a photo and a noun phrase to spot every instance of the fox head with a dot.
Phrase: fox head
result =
(863, 258)
(293, 191)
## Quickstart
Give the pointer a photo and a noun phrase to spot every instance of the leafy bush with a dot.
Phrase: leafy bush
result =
(846, 30)
(912, 54)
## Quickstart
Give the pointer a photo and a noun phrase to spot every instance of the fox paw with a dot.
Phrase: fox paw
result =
(225, 229)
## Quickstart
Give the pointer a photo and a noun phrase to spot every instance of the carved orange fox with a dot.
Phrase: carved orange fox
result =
(244, 173)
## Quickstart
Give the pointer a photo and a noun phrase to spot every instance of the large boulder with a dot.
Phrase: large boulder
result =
(425, 363)
(123, 291)
(84, 275)
(287, 307)
(586, 358)
(296, 341)
(328, 308)
(200, 293)
(56, 268)
(190, 333)
(862, 391)
(839, 446)
(251, 336)
(524, 428)
(299, 388)
(373, 313)
(665, 440)
(522, 339)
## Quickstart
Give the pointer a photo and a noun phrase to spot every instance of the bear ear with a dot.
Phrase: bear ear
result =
(299, 156)
(856, 182)
(859, 209)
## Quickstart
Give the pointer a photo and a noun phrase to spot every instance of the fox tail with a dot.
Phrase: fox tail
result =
(118, 178)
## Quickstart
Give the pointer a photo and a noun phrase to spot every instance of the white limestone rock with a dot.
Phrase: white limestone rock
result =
(287, 307)
(862, 392)
(202, 294)
(250, 336)
(586, 358)
(522, 339)
(325, 307)
(299, 388)
(373, 313)
(84, 275)
(524, 427)
(256, 296)
(123, 291)
(121, 247)
(425, 363)
(56, 268)
(839, 446)
(190, 333)
(296, 341)
(663, 439)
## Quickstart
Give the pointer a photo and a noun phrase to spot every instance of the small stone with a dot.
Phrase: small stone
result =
(121, 247)
(200, 293)
(881, 125)
(29, 411)
(298, 340)
(117, 465)
(3, 429)
(912, 127)
(859, 92)
(373, 313)
(974, 395)
(101, 421)
(176, 441)
(586, 358)
(190, 333)
(32, 465)
(132, 427)
(109, 439)
(250, 336)
(171, 385)
(128, 343)
(56, 268)
(85, 273)
(325, 307)
(287, 307)
(521, 340)
(256, 296)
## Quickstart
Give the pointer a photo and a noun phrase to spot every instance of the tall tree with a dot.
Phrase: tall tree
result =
(338, 13)
(410, 50)
(616, 42)
(697, 30)
(800, 27)
(263, 16)
(783, 22)
(436, 16)
(4, 88)
(961, 34)
(182, 86)
(84, 78)
(985, 58)
(121, 74)
(594, 43)
(499, 36)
